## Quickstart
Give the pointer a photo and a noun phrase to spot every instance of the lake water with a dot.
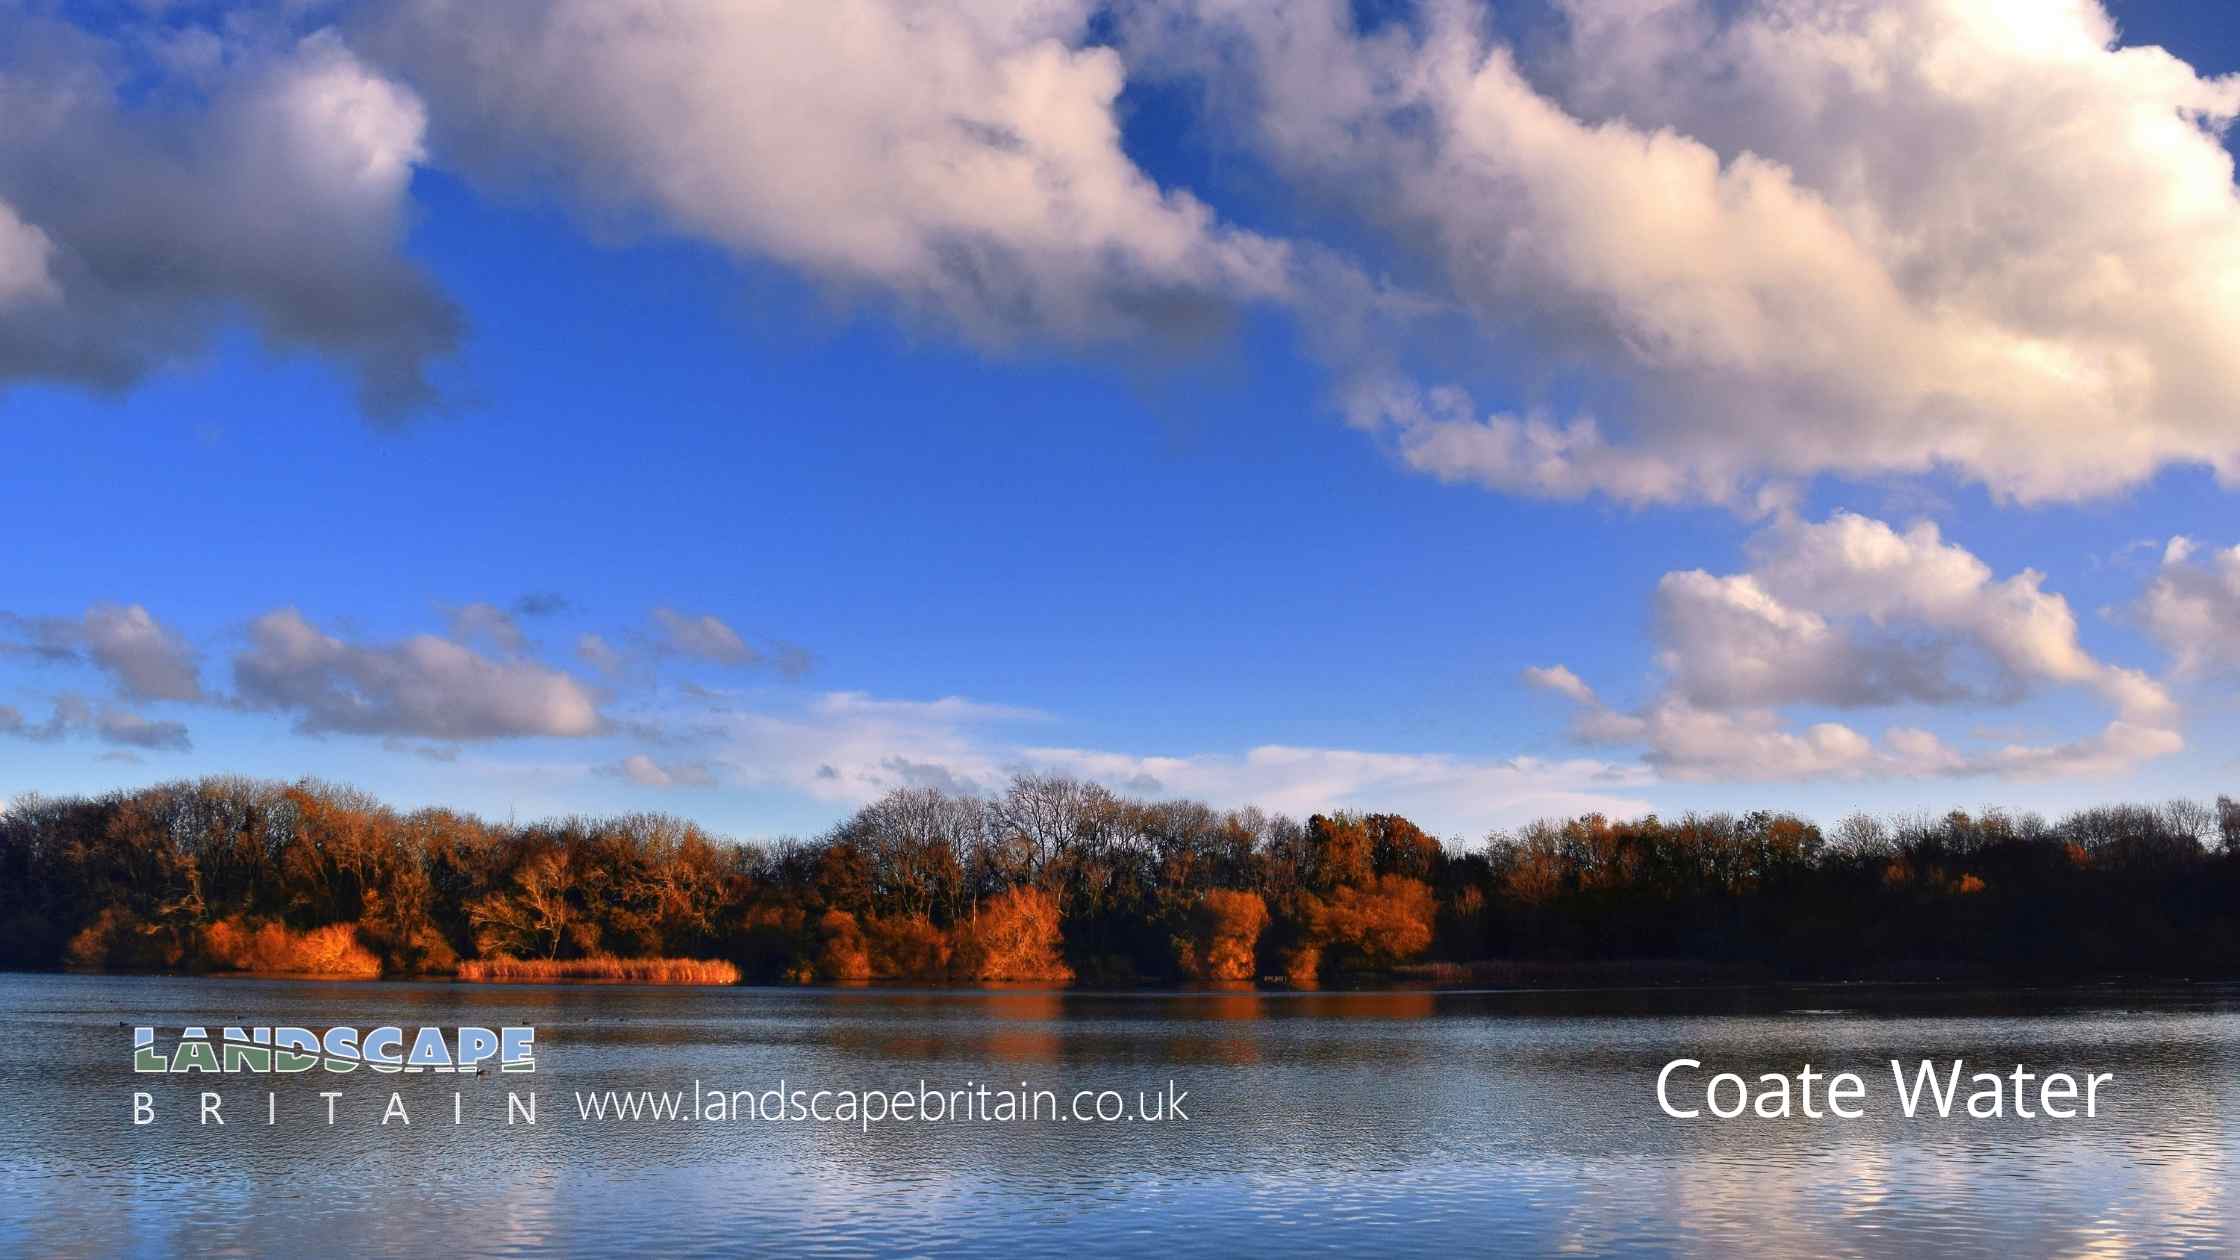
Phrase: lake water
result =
(1391, 1123)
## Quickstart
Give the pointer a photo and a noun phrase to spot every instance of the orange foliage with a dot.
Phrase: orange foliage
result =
(906, 947)
(116, 937)
(239, 944)
(1968, 884)
(1388, 921)
(1222, 933)
(634, 970)
(1537, 877)
(1343, 849)
(91, 945)
(841, 954)
(1014, 936)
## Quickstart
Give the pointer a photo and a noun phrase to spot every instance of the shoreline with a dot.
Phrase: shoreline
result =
(1590, 979)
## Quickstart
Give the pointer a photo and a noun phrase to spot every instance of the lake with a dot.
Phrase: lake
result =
(1408, 1123)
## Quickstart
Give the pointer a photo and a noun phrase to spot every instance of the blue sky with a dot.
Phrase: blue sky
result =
(1042, 509)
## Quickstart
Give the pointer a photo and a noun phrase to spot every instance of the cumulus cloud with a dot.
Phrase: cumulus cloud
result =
(145, 200)
(646, 772)
(25, 252)
(961, 161)
(1851, 613)
(424, 686)
(1715, 248)
(1803, 236)
(146, 659)
(2193, 607)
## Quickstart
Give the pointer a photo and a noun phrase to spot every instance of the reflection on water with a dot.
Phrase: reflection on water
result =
(1347, 1122)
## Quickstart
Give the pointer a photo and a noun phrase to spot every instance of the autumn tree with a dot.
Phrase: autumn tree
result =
(533, 914)
(1222, 932)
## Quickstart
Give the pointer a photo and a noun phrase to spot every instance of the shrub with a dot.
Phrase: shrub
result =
(93, 943)
(1388, 921)
(1220, 935)
(238, 944)
(840, 951)
(906, 947)
(1014, 936)
(120, 939)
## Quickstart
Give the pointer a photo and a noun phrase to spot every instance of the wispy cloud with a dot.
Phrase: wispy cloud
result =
(109, 723)
(850, 747)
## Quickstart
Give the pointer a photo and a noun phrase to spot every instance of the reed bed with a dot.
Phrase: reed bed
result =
(626, 970)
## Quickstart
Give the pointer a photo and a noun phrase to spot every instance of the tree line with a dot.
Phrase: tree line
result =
(1054, 879)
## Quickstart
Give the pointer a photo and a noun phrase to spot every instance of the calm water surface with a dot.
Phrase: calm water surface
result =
(1398, 1123)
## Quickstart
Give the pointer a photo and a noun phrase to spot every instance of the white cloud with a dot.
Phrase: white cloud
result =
(111, 724)
(595, 651)
(1766, 241)
(646, 772)
(961, 160)
(1810, 236)
(488, 621)
(2114, 750)
(25, 252)
(146, 659)
(120, 726)
(424, 686)
(693, 636)
(703, 636)
(144, 203)
(1454, 795)
(1560, 680)
(947, 709)
(849, 747)
(2193, 607)
(1850, 613)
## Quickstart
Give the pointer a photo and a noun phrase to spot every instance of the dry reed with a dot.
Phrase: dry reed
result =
(631, 970)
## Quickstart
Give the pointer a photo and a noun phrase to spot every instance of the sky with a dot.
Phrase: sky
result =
(1478, 413)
